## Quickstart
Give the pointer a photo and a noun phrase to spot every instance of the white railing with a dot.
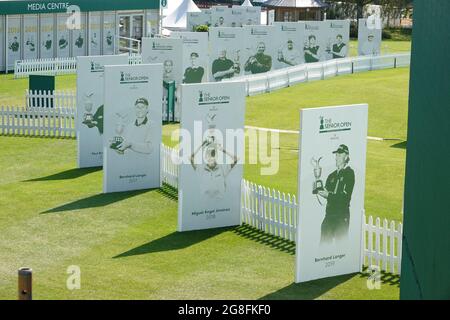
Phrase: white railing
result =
(277, 79)
(134, 45)
(275, 213)
(55, 66)
(55, 99)
(48, 122)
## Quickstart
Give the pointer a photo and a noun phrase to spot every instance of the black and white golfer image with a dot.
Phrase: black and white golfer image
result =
(223, 67)
(213, 175)
(194, 73)
(136, 135)
(338, 193)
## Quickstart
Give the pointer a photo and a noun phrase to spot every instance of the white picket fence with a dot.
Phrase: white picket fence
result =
(68, 100)
(55, 66)
(382, 244)
(275, 213)
(274, 80)
(56, 99)
(43, 122)
(169, 170)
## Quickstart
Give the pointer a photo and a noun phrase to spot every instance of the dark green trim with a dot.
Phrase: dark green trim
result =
(8, 7)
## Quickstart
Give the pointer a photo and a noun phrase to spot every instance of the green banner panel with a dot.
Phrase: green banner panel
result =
(42, 83)
(52, 6)
(426, 236)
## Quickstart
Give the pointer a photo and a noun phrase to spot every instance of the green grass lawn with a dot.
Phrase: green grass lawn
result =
(126, 244)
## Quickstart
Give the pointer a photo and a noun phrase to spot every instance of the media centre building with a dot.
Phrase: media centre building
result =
(44, 29)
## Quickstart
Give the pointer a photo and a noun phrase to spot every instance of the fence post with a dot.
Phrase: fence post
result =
(25, 284)
(395, 63)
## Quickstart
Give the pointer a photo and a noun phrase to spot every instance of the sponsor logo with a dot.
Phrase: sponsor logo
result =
(311, 27)
(236, 12)
(128, 78)
(205, 98)
(328, 125)
(96, 67)
(336, 25)
(158, 46)
(286, 28)
(224, 35)
(190, 41)
(257, 32)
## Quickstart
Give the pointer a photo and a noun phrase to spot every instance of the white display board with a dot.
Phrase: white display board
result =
(210, 175)
(2, 43)
(315, 47)
(79, 38)
(132, 124)
(195, 19)
(169, 52)
(238, 16)
(331, 181)
(195, 56)
(30, 35)
(90, 107)
(292, 39)
(95, 38)
(261, 44)
(369, 38)
(62, 36)
(338, 42)
(109, 31)
(220, 16)
(226, 53)
(47, 36)
(253, 16)
(14, 41)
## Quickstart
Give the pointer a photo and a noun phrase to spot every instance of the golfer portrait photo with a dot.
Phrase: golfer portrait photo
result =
(337, 192)
(14, 45)
(213, 175)
(339, 48)
(259, 62)
(370, 46)
(311, 50)
(220, 22)
(289, 55)
(194, 73)
(135, 135)
(168, 71)
(224, 68)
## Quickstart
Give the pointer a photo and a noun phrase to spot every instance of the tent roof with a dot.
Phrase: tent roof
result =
(247, 3)
(295, 3)
(177, 19)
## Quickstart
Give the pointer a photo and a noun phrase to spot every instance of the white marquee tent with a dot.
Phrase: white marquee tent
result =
(176, 19)
(247, 3)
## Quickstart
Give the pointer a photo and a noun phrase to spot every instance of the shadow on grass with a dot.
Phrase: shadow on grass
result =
(67, 175)
(307, 290)
(173, 241)
(266, 239)
(386, 277)
(96, 201)
(400, 145)
(168, 192)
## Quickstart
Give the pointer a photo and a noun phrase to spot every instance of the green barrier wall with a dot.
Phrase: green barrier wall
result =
(426, 241)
